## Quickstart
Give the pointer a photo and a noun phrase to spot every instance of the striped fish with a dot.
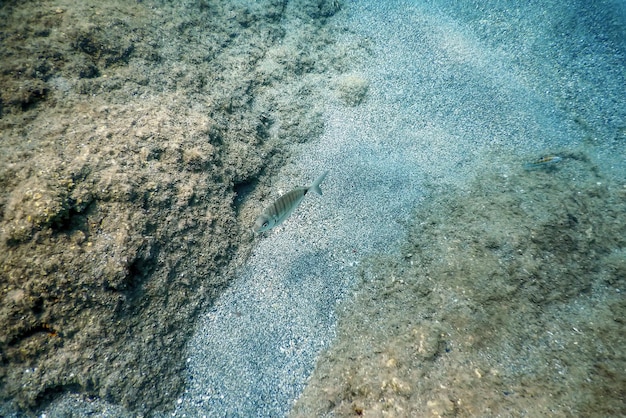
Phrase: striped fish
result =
(543, 162)
(280, 210)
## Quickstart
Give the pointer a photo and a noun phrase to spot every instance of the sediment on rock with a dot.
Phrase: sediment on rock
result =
(506, 297)
(129, 134)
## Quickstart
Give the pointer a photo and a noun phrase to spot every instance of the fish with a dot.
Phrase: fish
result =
(545, 161)
(284, 206)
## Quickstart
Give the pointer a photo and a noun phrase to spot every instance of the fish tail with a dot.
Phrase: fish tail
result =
(316, 184)
(531, 166)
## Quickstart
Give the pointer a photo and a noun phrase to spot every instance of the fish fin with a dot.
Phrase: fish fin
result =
(316, 184)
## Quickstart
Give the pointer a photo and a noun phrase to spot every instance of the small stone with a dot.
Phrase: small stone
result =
(352, 89)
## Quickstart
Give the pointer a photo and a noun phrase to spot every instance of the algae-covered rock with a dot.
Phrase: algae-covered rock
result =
(133, 136)
(506, 298)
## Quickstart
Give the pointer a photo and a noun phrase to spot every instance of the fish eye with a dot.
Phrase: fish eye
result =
(265, 224)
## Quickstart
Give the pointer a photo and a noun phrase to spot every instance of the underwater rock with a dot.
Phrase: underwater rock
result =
(126, 139)
(523, 286)
(352, 89)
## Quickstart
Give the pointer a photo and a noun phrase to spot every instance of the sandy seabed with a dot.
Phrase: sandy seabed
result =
(140, 139)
